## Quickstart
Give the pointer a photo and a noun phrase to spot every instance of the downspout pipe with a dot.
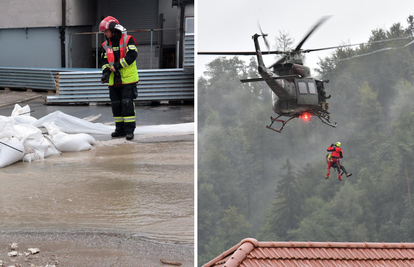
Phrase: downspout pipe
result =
(182, 20)
(62, 35)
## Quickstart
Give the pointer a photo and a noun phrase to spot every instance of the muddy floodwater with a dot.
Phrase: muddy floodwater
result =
(145, 189)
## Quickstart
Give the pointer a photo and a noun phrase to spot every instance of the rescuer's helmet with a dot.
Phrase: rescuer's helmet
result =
(338, 144)
(110, 23)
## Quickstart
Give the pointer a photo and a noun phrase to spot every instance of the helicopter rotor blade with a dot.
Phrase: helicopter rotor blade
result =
(379, 50)
(341, 46)
(322, 20)
(298, 47)
(264, 36)
(230, 53)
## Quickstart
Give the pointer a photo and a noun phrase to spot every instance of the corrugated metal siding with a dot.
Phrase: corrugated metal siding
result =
(28, 78)
(189, 53)
(154, 85)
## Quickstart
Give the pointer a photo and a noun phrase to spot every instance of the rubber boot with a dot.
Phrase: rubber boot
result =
(119, 130)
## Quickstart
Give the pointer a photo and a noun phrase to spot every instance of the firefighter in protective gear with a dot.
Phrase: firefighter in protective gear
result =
(333, 159)
(119, 70)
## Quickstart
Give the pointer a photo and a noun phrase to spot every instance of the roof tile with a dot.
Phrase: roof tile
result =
(251, 253)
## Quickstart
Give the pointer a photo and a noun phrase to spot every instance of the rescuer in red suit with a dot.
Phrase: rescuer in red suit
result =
(333, 160)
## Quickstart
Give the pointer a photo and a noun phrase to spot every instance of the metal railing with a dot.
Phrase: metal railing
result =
(153, 35)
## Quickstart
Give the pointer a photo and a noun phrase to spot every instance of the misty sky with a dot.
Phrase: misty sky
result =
(229, 25)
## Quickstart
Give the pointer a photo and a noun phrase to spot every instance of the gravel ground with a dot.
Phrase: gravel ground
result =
(90, 249)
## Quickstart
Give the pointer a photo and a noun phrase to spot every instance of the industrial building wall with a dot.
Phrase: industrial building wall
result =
(45, 13)
(45, 18)
(31, 47)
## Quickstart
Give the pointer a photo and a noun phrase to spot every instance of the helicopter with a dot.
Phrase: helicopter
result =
(295, 93)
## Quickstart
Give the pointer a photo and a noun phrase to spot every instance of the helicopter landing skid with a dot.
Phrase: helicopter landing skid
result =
(277, 119)
(324, 117)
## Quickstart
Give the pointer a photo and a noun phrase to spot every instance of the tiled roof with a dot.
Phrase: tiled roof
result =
(251, 253)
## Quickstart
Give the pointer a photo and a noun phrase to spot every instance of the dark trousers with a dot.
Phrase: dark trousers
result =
(123, 107)
(342, 167)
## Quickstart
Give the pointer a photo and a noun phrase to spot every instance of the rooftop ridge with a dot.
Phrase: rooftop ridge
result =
(328, 244)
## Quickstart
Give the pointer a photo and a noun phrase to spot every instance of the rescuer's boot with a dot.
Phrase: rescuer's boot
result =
(327, 176)
(118, 134)
(339, 178)
(130, 136)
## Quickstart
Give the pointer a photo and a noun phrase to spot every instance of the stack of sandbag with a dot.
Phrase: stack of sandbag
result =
(20, 140)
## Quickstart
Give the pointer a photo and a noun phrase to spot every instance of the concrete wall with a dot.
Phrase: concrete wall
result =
(80, 12)
(28, 47)
(32, 28)
(170, 13)
(170, 16)
(45, 13)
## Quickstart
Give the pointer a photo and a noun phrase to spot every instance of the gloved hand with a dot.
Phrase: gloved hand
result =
(105, 78)
(117, 80)
(333, 145)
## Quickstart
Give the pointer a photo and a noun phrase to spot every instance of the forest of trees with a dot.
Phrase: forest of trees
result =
(254, 182)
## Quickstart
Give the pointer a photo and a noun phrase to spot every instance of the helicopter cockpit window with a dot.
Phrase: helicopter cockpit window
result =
(312, 88)
(303, 89)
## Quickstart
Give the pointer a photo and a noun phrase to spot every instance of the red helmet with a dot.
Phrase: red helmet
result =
(105, 23)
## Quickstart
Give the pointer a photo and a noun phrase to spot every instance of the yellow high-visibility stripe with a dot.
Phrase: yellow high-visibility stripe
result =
(129, 119)
(123, 62)
(118, 119)
(105, 66)
(115, 48)
(131, 47)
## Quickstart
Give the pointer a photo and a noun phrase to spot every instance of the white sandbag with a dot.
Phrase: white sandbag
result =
(69, 142)
(22, 115)
(18, 110)
(24, 119)
(51, 150)
(6, 127)
(32, 139)
(31, 155)
(11, 151)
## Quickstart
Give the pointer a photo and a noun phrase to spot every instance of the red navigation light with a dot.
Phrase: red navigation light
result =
(305, 116)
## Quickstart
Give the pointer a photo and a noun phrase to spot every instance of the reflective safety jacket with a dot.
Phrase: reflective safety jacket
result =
(127, 67)
(336, 152)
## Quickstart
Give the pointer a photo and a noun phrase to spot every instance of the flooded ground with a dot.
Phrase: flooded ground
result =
(141, 188)
(139, 192)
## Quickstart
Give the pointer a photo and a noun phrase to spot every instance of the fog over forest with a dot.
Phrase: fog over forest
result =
(254, 182)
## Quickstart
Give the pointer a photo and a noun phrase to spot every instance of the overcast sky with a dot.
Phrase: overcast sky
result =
(228, 25)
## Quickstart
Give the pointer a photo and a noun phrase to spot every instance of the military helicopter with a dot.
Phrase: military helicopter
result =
(295, 93)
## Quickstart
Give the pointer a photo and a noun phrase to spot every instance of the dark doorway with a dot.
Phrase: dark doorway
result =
(168, 57)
